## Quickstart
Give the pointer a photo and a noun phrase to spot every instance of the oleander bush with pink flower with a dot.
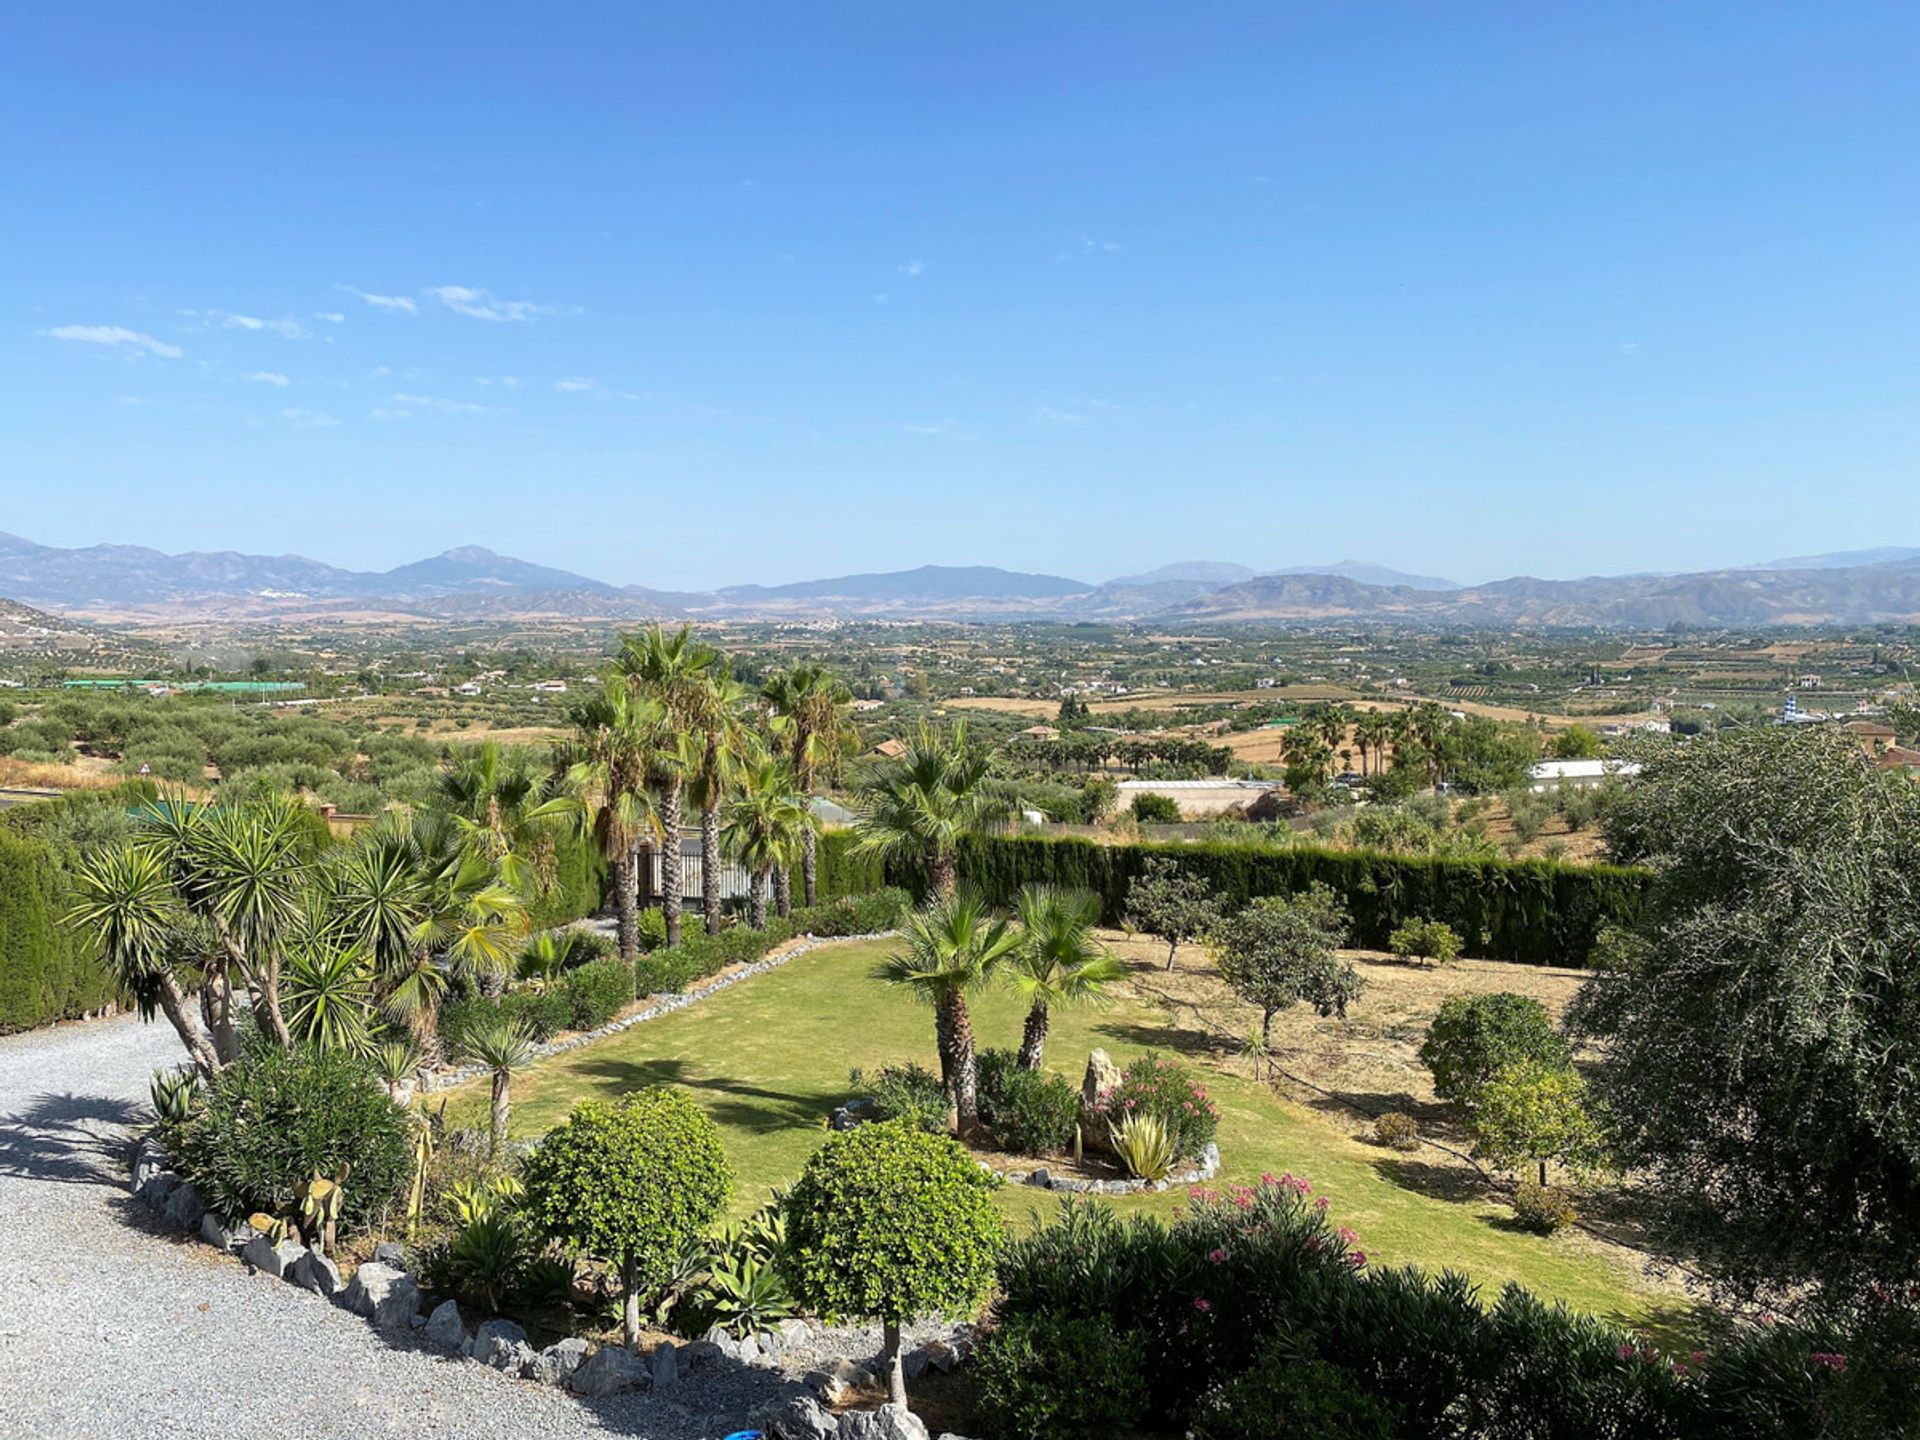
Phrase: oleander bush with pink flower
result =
(1247, 1281)
(1164, 1088)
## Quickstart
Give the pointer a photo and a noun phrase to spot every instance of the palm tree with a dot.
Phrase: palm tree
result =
(330, 996)
(424, 908)
(1058, 962)
(951, 949)
(1371, 732)
(919, 805)
(674, 671)
(765, 822)
(1302, 748)
(495, 795)
(605, 791)
(502, 1046)
(720, 740)
(811, 712)
(127, 902)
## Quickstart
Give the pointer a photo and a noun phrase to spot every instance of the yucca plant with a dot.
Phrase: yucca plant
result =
(397, 1062)
(1145, 1146)
(487, 1258)
(329, 997)
(503, 1046)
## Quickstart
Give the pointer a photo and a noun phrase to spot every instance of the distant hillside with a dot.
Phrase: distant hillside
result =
(1195, 572)
(473, 567)
(1842, 559)
(929, 582)
(1368, 573)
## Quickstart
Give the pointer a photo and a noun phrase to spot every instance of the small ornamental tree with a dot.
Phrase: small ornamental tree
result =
(1535, 1114)
(1475, 1036)
(1172, 906)
(1424, 942)
(889, 1223)
(1151, 809)
(1283, 949)
(632, 1183)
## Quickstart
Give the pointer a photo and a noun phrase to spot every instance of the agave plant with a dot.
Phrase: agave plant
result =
(487, 1258)
(1145, 1145)
(745, 1294)
(176, 1094)
(471, 1200)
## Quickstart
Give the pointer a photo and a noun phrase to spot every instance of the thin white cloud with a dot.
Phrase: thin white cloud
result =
(269, 377)
(937, 427)
(400, 303)
(1048, 415)
(485, 305)
(286, 328)
(913, 267)
(510, 382)
(409, 401)
(308, 419)
(386, 412)
(332, 317)
(576, 383)
(114, 335)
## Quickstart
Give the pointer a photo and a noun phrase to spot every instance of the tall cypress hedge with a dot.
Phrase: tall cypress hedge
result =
(841, 871)
(1535, 912)
(48, 971)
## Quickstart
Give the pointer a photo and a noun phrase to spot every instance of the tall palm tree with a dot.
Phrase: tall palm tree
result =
(766, 820)
(721, 745)
(950, 950)
(811, 711)
(127, 902)
(674, 671)
(495, 794)
(605, 772)
(919, 805)
(1058, 962)
(503, 1046)
(1371, 732)
(425, 909)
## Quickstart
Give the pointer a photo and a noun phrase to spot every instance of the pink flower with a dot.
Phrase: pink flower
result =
(1836, 1363)
(1201, 1305)
(1625, 1351)
(1218, 1257)
(1320, 1204)
(1347, 1237)
(1267, 1179)
(1357, 1259)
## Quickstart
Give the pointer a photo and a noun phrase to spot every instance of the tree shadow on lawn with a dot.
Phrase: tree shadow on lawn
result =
(1163, 1037)
(70, 1139)
(775, 1110)
(1366, 1106)
(1457, 1184)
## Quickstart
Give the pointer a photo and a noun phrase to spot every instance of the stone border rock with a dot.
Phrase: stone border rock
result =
(665, 1005)
(389, 1298)
(1044, 1179)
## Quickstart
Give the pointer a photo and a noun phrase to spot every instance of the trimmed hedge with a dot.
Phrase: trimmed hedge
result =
(1535, 912)
(671, 969)
(48, 970)
(577, 887)
(840, 871)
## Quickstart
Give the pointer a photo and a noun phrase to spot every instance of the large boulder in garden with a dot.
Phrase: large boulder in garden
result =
(385, 1295)
(889, 1422)
(608, 1371)
(501, 1344)
(795, 1417)
(553, 1365)
(444, 1327)
(271, 1259)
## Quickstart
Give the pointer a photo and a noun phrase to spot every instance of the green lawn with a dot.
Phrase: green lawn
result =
(769, 1059)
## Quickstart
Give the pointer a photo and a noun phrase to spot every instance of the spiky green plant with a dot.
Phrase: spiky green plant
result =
(1145, 1146)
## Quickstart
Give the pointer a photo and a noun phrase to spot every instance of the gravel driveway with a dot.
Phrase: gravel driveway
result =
(112, 1328)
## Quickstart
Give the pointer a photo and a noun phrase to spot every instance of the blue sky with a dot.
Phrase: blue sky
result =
(695, 295)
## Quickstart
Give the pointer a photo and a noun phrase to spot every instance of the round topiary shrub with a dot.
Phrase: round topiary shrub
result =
(890, 1224)
(632, 1183)
(1055, 1377)
(276, 1118)
(1397, 1131)
(1542, 1208)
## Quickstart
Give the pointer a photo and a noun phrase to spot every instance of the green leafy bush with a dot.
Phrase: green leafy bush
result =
(1473, 1037)
(1425, 942)
(1165, 1089)
(869, 914)
(597, 991)
(1285, 1393)
(907, 1093)
(891, 1224)
(1397, 1131)
(633, 1183)
(1047, 1377)
(275, 1118)
(1028, 1112)
(653, 929)
(1151, 809)
(541, 1013)
(1542, 1208)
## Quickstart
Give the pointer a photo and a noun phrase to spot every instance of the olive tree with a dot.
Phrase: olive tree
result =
(1283, 949)
(632, 1183)
(889, 1223)
(1170, 905)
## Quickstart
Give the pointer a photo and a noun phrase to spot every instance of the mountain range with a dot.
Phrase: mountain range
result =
(471, 582)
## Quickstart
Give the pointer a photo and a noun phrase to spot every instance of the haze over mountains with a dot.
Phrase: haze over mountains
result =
(470, 582)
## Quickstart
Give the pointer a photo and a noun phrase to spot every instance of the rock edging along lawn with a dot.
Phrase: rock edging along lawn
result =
(383, 1292)
(663, 1005)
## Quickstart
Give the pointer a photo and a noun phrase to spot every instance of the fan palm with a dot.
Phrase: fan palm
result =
(811, 714)
(127, 903)
(494, 795)
(503, 1046)
(919, 805)
(1058, 962)
(720, 745)
(674, 671)
(766, 821)
(951, 949)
